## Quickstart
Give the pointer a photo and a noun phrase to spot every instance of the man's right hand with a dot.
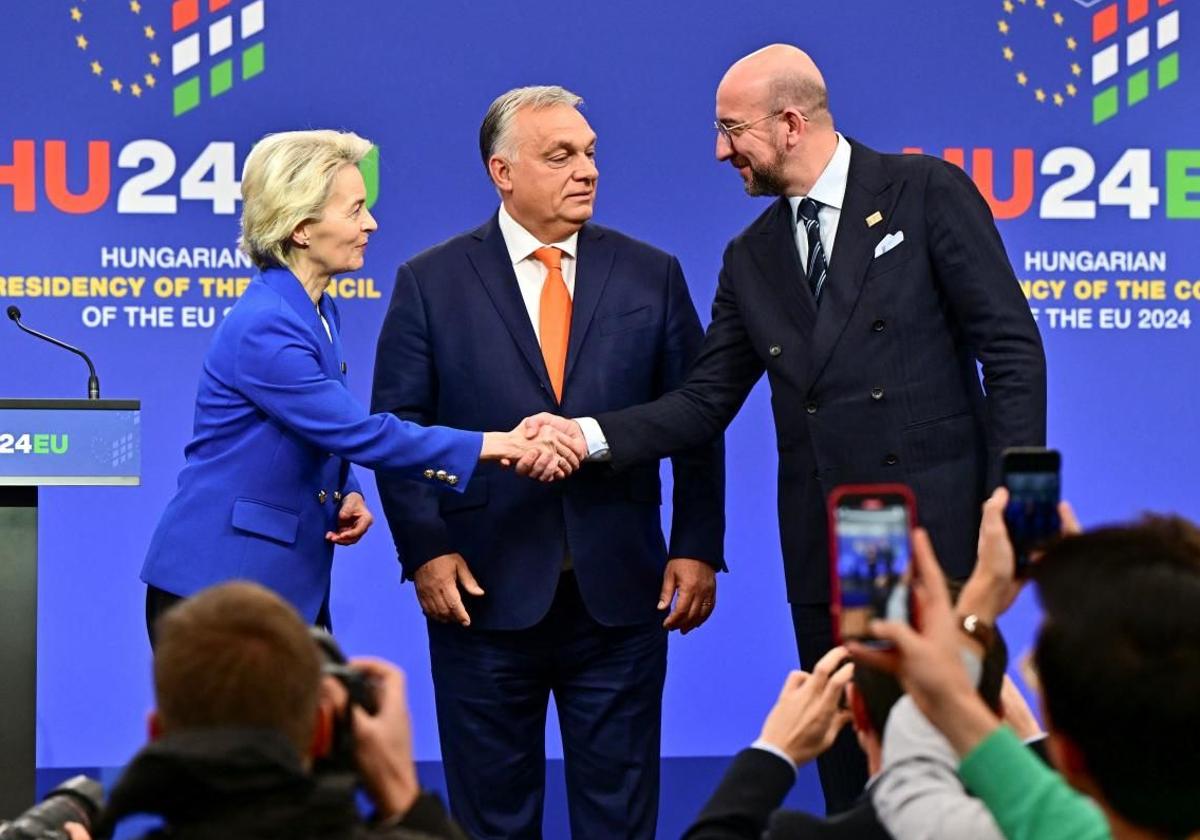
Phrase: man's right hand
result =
(437, 584)
(928, 661)
(383, 742)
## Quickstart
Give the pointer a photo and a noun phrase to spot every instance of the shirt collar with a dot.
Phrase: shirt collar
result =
(521, 243)
(830, 187)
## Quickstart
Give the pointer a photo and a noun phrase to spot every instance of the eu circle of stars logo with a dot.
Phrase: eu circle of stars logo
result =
(1111, 53)
(111, 63)
(134, 50)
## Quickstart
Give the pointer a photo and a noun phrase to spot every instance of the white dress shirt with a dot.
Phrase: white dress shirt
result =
(531, 272)
(830, 192)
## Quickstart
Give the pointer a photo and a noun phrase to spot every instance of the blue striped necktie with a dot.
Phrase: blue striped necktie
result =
(816, 270)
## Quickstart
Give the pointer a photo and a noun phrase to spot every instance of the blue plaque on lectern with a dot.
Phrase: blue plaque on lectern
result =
(46, 442)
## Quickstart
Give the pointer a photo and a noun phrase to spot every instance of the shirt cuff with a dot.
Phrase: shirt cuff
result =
(765, 746)
(597, 444)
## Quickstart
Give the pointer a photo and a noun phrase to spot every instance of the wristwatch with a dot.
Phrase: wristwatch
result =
(979, 630)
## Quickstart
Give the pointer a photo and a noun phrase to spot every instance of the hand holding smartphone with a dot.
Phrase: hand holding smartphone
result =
(871, 557)
(1032, 476)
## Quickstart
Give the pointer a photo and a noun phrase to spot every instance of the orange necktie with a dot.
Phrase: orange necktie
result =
(554, 317)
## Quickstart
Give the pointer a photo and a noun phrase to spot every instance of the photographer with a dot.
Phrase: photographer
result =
(247, 729)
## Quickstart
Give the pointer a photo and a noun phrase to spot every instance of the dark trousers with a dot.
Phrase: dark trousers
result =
(843, 767)
(158, 601)
(492, 688)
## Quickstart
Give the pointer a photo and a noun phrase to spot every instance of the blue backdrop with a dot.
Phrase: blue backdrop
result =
(124, 126)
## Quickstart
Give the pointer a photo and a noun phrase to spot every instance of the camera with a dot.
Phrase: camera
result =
(79, 799)
(333, 663)
(361, 691)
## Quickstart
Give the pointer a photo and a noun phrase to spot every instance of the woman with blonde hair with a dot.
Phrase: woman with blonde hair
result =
(267, 491)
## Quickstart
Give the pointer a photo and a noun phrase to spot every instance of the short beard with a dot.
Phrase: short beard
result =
(767, 180)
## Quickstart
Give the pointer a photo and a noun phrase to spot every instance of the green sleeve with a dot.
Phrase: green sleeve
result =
(1029, 800)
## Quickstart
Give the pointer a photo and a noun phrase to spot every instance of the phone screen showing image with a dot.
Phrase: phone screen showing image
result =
(1031, 515)
(873, 555)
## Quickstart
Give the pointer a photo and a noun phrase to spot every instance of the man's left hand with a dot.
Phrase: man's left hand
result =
(994, 584)
(353, 521)
(806, 719)
(693, 586)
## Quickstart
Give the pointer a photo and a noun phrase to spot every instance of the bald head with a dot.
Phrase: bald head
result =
(776, 77)
(774, 125)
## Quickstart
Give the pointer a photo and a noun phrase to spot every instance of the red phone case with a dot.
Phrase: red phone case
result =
(835, 583)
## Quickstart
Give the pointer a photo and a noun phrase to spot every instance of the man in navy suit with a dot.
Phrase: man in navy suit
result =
(870, 293)
(560, 588)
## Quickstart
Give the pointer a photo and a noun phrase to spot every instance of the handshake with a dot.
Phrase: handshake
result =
(545, 447)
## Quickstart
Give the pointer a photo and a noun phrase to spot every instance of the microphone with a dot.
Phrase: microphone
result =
(14, 314)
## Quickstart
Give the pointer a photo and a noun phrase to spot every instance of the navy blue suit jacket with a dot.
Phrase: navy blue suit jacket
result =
(880, 382)
(746, 806)
(267, 465)
(458, 348)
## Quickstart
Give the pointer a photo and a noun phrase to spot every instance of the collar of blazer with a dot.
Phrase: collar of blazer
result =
(284, 283)
(489, 257)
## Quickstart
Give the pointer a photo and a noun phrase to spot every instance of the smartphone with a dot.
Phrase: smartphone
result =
(871, 557)
(1032, 476)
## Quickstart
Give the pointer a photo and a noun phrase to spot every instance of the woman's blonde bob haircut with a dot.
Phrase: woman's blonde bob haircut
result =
(285, 182)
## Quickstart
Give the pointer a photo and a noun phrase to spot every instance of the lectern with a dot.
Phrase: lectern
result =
(44, 443)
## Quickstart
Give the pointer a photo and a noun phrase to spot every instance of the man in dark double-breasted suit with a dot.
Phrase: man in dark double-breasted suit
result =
(870, 292)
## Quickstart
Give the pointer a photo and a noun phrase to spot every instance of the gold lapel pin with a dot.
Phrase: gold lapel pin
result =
(874, 219)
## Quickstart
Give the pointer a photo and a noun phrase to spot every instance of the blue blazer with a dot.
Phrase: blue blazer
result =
(268, 463)
(458, 347)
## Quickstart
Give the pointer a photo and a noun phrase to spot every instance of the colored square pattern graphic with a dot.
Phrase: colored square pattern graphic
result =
(217, 43)
(1135, 53)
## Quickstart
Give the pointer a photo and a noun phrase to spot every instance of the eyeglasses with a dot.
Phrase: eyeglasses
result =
(732, 132)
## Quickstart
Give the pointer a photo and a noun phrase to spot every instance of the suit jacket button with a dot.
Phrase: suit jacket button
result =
(876, 393)
(452, 480)
(440, 475)
(890, 459)
(811, 408)
(321, 496)
(774, 349)
(878, 325)
(429, 473)
(337, 496)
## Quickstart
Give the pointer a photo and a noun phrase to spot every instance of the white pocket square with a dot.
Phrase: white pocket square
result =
(888, 243)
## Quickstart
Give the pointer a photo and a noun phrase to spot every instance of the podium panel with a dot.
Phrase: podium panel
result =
(44, 443)
(70, 442)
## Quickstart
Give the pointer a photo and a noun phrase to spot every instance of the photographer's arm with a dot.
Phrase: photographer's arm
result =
(383, 751)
